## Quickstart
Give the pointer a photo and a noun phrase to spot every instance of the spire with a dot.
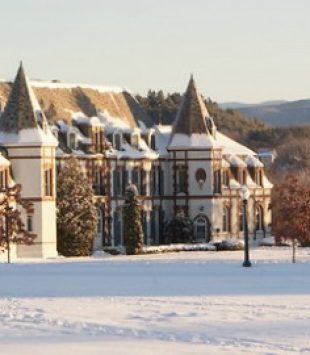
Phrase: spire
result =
(22, 109)
(191, 117)
(193, 127)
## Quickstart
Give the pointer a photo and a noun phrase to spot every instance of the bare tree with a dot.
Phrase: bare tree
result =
(12, 227)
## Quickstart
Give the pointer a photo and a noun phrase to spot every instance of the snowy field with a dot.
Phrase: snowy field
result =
(180, 303)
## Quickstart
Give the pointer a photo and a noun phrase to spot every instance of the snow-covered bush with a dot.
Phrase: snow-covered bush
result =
(268, 242)
(229, 245)
(178, 248)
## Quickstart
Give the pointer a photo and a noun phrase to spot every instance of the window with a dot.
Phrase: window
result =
(143, 182)
(201, 177)
(99, 222)
(98, 140)
(241, 221)
(242, 176)
(3, 179)
(217, 185)
(29, 224)
(181, 179)
(161, 180)
(97, 180)
(117, 141)
(136, 178)
(135, 141)
(226, 219)
(72, 140)
(259, 218)
(259, 177)
(125, 179)
(225, 177)
(153, 142)
(116, 182)
(117, 227)
(48, 182)
(201, 228)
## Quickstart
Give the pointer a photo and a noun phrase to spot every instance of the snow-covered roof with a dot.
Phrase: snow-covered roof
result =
(235, 161)
(197, 141)
(252, 161)
(232, 147)
(129, 152)
(61, 85)
(80, 118)
(28, 136)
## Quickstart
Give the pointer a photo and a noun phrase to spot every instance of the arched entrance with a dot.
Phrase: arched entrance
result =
(202, 229)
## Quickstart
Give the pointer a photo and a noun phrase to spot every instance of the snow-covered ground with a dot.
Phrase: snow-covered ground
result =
(178, 303)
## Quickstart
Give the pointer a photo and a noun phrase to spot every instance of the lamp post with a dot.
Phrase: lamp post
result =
(245, 195)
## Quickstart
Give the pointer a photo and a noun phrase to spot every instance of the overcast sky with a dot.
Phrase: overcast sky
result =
(238, 50)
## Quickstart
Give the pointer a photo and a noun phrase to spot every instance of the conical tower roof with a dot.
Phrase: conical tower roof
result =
(20, 110)
(191, 117)
(23, 119)
(190, 127)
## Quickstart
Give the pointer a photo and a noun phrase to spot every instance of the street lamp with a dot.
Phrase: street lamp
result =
(245, 195)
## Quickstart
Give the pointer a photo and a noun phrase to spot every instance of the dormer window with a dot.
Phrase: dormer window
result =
(72, 140)
(153, 142)
(117, 141)
(135, 140)
(242, 176)
(98, 139)
(259, 177)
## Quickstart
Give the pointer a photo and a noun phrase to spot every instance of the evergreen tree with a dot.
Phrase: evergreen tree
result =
(133, 232)
(76, 213)
(179, 229)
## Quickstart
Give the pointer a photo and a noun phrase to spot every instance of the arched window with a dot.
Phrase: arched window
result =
(201, 177)
(226, 219)
(202, 229)
(259, 218)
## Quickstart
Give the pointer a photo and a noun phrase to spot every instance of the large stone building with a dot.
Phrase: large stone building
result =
(189, 166)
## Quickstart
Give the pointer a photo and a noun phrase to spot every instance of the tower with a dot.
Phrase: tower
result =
(196, 156)
(31, 148)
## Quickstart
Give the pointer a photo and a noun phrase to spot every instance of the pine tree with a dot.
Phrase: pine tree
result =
(133, 232)
(12, 227)
(76, 213)
(179, 229)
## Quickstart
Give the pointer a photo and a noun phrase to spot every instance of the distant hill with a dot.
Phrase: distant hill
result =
(163, 109)
(276, 113)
